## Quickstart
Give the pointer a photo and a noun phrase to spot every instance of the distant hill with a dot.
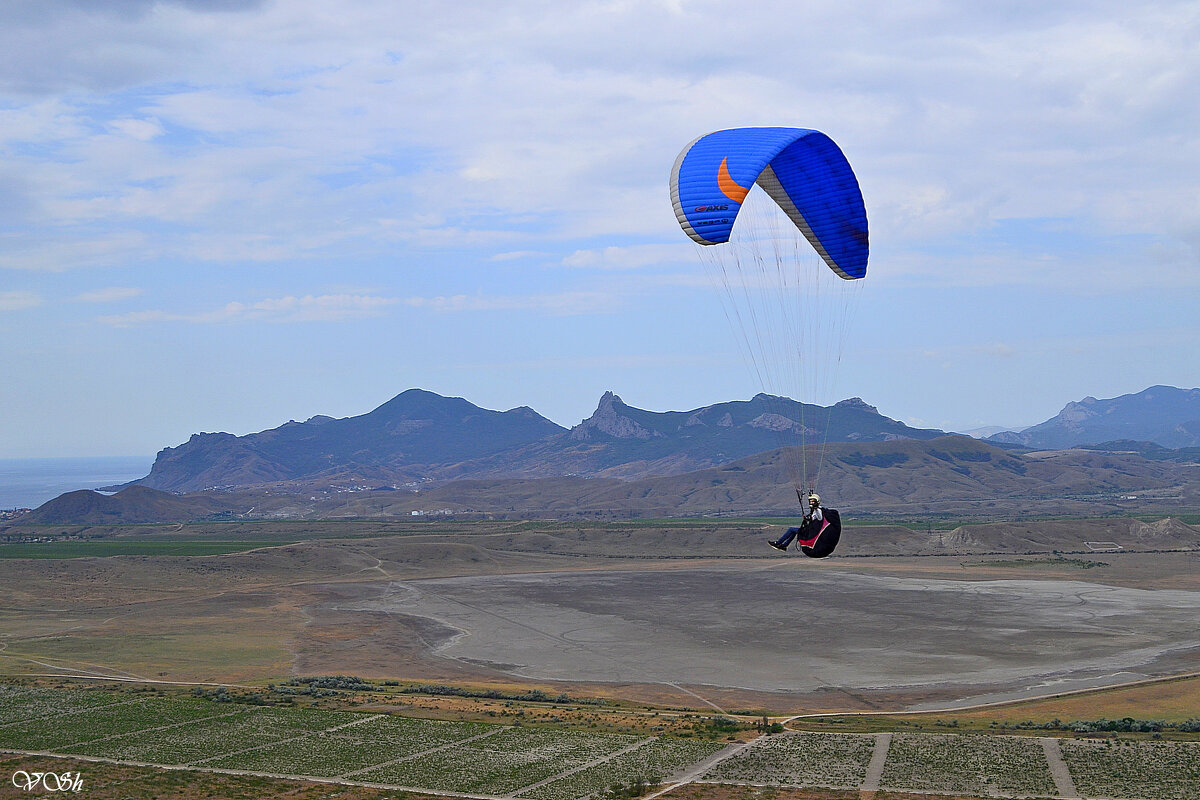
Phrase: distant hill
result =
(1149, 450)
(421, 453)
(987, 431)
(949, 474)
(134, 504)
(1044, 535)
(1164, 415)
(621, 441)
(420, 436)
(392, 443)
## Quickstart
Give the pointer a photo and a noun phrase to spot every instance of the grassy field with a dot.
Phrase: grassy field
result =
(830, 760)
(305, 603)
(103, 781)
(301, 530)
(1039, 563)
(648, 763)
(1174, 700)
(257, 531)
(1162, 770)
(1006, 765)
(1189, 519)
(188, 734)
(365, 747)
(101, 548)
(257, 602)
(20, 703)
(348, 749)
(706, 791)
(503, 763)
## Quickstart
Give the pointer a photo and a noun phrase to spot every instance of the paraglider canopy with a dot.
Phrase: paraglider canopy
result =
(802, 170)
(782, 228)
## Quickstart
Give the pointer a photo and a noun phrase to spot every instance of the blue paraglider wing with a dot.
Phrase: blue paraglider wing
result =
(801, 169)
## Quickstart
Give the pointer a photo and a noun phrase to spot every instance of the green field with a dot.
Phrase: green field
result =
(382, 750)
(352, 748)
(1005, 765)
(68, 732)
(800, 759)
(648, 762)
(101, 548)
(131, 727)
(1039, 563)
(1162, 770)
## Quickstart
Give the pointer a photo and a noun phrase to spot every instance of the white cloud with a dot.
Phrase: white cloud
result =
(42, 255)
(141, 129)
(268, 139)
(45, 120)
(520, 255)
(309, 308)
(513, 157)
(632, 257)
(111, 294)
(996, 350)
(16, 301)
(585, 364)
(556, 304)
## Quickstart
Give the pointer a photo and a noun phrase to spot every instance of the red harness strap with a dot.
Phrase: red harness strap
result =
(813, 540)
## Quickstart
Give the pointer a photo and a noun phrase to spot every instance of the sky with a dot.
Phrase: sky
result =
(219, 215)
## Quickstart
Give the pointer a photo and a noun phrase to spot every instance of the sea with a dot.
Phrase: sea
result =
(29, 482)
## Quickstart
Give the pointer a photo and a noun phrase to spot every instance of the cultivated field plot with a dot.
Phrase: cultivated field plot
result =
(834, 760)
(498, 760)
(64, 731)
(981, 765)
(243, 729)
(651, 762)
(503, 763)
(1158, 770)
(464, 756)
(29, 703)
(378, 740)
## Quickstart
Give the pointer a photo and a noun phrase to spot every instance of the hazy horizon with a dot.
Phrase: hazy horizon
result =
(29, 482)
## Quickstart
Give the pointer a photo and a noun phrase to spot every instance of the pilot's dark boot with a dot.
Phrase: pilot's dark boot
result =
(777, 545)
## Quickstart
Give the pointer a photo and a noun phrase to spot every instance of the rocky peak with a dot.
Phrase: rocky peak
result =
(776, 422)
(607, 401)
(858, 403)
(609, 419)
(1073, 414)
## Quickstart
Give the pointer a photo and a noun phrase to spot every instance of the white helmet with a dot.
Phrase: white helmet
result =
(814, 498)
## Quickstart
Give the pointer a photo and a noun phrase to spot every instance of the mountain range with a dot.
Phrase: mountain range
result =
(421, 453)
(394, 441)
(418, 437)
(947, 476)
(1163, 415)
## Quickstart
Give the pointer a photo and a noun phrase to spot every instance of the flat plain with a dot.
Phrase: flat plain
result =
(795, 628)
(666, 612)
(651, 628)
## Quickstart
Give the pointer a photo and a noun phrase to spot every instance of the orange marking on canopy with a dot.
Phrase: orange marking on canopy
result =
(728, 186)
